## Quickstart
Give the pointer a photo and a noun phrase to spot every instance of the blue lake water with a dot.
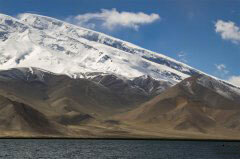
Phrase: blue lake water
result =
(115, 149)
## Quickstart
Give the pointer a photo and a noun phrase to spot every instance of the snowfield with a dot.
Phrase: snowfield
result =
(59, 47)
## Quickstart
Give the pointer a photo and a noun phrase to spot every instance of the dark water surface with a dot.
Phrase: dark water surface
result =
(114, 149)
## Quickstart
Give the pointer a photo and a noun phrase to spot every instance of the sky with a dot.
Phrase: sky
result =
(205, 34)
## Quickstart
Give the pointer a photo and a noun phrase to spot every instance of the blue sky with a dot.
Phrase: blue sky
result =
(205, 33)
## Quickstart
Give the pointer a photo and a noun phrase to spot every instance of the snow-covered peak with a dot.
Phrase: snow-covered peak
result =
(10, 24)
(53, 25)
(40, 22)
(60, 47)
(4, 17)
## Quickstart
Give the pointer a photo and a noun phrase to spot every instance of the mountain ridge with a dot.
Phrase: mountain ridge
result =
(195, 108)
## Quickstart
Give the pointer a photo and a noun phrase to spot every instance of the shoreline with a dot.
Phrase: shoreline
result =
(96, 138)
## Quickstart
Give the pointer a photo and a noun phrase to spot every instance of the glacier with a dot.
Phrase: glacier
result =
(59, 47)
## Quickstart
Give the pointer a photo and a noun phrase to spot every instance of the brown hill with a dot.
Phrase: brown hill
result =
(37, 103)
(51, 93)
(198, 106)
(18, 117)
(50, 104)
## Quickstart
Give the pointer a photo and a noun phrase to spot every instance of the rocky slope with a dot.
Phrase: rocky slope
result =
(197, 105)
(34, 102)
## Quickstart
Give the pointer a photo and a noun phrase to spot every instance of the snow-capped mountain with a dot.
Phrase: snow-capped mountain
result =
(60, 79)
(59, 47)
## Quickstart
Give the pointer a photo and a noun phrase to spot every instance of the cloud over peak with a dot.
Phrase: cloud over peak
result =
(111, 19)
(228, 30)
(182, 56)
(221, 70)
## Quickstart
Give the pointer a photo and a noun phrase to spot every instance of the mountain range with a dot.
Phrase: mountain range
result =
(61, 80)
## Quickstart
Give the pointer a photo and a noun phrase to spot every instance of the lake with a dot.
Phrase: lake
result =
(114, 149)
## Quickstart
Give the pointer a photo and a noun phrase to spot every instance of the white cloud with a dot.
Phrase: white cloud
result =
(182, 56)
(221, 70)
(220, 67)
(235, 80)
(110, 19)
(228, 30)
